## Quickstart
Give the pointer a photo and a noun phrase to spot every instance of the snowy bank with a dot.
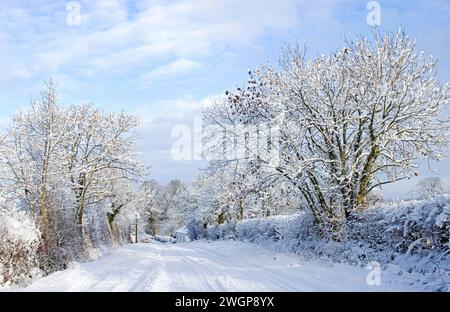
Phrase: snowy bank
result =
(404, 236)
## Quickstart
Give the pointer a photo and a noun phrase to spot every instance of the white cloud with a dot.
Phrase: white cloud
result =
(172, 70)
(109, 12)
(120, 47)
(111, 38)
(158, 120)
(20, 73)
(174, 111)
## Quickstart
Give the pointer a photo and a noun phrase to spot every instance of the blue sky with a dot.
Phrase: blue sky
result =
(164, 59)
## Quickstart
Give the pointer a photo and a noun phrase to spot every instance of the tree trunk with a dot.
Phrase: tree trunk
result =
(136, 232)
(241, 209)
(221, 218)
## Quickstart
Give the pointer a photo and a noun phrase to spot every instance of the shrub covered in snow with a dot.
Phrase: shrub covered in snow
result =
(196, 229)
(411, 234)
(19, 243)
(418, 229)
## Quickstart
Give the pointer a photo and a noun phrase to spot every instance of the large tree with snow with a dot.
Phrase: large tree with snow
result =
(33, 155)
(100, 152)
(346, 123)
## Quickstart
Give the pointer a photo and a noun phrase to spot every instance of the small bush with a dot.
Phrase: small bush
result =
(19, 243)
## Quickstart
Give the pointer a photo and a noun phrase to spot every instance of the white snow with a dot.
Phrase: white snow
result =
(17, 226)
(209, 266)
(182, 230)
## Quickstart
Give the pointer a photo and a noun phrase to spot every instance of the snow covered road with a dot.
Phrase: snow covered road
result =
(203, 266)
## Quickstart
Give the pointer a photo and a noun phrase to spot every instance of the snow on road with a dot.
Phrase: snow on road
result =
(203, 266)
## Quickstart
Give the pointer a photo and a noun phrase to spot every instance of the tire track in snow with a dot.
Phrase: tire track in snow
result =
(204, 277)
(263, 272)
(200, 266)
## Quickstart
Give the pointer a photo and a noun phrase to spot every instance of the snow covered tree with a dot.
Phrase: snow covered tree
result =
(122, 199)
(34, 154)
(100, 151)
(150, 204)
(429, 188)
(346, 123)
(172, 217)
(61, 164)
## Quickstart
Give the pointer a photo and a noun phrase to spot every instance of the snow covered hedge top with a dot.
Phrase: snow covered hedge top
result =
(17, 226)
(413, 234)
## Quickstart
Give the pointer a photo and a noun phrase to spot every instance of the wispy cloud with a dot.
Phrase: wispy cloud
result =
(110, 37)
(173, 70)
(164, 59)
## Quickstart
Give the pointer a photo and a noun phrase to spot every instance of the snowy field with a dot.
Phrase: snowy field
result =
(210, 266)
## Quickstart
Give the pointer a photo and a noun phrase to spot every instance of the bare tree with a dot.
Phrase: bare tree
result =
(57, 161)
(34, 153)
(347, 123)
(429, 188)
(100, 152)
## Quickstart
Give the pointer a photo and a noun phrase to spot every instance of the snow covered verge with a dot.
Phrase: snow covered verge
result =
(21, 248)
(405, 237)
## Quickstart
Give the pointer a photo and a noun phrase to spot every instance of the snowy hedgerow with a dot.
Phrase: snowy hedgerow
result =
(411, 234)
(19, 243)
(196, 229)
(414, 226)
